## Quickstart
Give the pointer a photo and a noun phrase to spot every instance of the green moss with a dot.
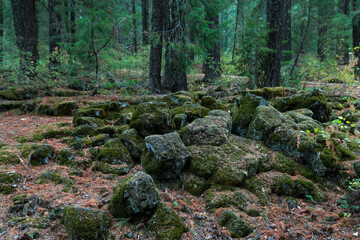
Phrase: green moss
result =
(283, 186)
(66, 157)
(192, 111)
(86, 224)
(110, 169)
(304, 189)
(100, 140)
(89, 121)
(166, 224)
(115, 152)
(253, 212)
(194, 184)
(40, 155)
(89, 112)
(55, 177)
(238, 227)
(328, 159)
(84, 130)
(65, 109)
(256, 187)
(8, 158)
(353, 145)
(356, 167)
(343, 153)
(283, 164)
(307, 172)
(8, 181)
(12, 94)
(214, 200)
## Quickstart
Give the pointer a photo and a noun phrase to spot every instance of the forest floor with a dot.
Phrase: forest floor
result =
(309, 220)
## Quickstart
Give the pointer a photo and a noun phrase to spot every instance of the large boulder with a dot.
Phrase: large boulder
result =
(81, 223)
(192, 111)
(151, 118)
(164, 156)
(137, 196)
(213, 129)
(88, 121)
(133, 142)
(238, 227)
(41, 154)
(166, 224)
(245, 113)
(89, 112)
(115, 152)
(315, 101)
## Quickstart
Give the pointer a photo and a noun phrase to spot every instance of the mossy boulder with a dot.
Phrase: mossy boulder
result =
(89, 112)
(343, 152)
(115, 152)
(133, 142)
(350, 116)
(315, 101)
(9, 181)
(164, 156)
(111, 169)
(15, 94)
(84, 130)
(166, 224)
(210, 103)
(192, 111)
(100, 139)
(89, 121)
(284, 186)
(356, 167)
(194, 184)
(278, 162)
(66, 157)
(136, 196)
(8, 158)
(65, 109)
(41, 155)
(245, 113)
(152, 118)
(238, 227)
(214, 199)
(214, 129)
(180, 120)
(82, 223)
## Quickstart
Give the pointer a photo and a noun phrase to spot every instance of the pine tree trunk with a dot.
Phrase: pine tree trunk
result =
(157, 28)
(235, 29)
(286, 54)
(344, 9)
(212, 67)
(72, 23)
(322, 28)
(356, 38)
(274, 10)
(175, 76)
(135, 43)
(54, 32)
(145, 21)
(1, 31)
(26, 31)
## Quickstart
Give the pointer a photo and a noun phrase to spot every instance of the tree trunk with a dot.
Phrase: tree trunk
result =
(212, 68)
(26, 31)
(145, 21)
(344, 9)
(1, 30)
(135, 44)
(72, 23)
(235, 29)
(286, 53)
(356, 38)
(175, 65)
(323, 8)
(54, 32)
(157, 28)
(274, 10)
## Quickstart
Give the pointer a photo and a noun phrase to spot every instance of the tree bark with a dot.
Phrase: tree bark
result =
(344, 9)
(157, 28)
(323, 13)
(286, 54)
(274, 10)
(212, 67)
(135, 43)
(1, 31)
(235, 29)
(145, 21)
(72, 23)
(26, 31)
(175, 75)
(356, 38)
(54, 32)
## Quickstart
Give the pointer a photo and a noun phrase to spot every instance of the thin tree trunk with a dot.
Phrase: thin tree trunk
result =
(274, 11)
(344, 9)
(356, 38)
(26, 31)
(303, 37)
(1, 31)
(135, 43)
(145, 21)
(175, 76)
(235, 29)
(286, 53)
(322, 28)
(72, 22)
(157, 28)
(54, 33)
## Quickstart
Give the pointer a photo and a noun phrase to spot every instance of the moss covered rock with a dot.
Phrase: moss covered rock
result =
(194, 184)
(214, 129)
(133, 142)
(8, 181)
(164, 156)
(315, 101)
(152, 118)
(214, 199)
(111, 169)
(89, 121)
(238, 227)
(210, 103)
(84, 130)
(192, 111)
(8, 158)
(66, 157)
(166, 224)
(82, 223)
(65, 109)
(356, 167)
(115, 152)
(180, 120)
(136, 196)
(89, 112)
(100, 139)
(42, 154)
(245, 113)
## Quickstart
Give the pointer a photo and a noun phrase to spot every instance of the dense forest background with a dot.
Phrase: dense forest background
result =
(158, 44)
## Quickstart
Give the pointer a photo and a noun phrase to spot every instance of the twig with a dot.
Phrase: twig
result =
(23, 163)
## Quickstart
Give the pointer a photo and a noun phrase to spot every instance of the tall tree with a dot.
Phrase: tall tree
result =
(344, 8)
(212, 67)
(325, 9)
(145, 21)
(26, 31)
(54, 32)
(175, 66)
(274, 11)
(356, 37)
(157, 28)
(1, 30)
(238, 9)
(72, 22)
(285, 20)
(135, 43)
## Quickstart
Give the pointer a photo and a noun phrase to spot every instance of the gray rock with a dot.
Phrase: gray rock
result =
(41, 155)
(115, 152)
(238, 227)
(133, 142)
